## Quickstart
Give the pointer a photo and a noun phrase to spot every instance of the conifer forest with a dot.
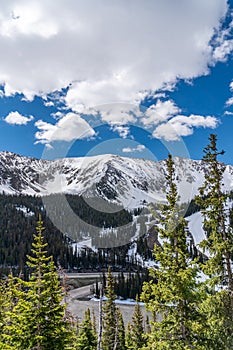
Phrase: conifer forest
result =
(182, 300)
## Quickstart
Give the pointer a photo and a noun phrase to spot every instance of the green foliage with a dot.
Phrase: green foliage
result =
(137, 330)
(109, 315)
(218, 327)
(175, 296)
(127, 286)
(213, 202)
(87, 337)
(128, 337)
(120, 331)
(35, 314)
(18, 216)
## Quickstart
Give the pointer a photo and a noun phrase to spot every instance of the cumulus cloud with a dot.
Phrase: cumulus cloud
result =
(228, 113)
(103, 58)
(49, 103)
(160, 112)
(102, 53)
(119, 113)
(182, 125)
(229, 102)
(139, 148)
(122, 130)
(15, 118)
(70, 127)
(222, 51)
(224, 44)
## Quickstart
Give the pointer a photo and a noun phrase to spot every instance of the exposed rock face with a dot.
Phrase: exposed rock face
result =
(126, 181)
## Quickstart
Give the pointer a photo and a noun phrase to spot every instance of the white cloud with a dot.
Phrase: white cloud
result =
(15, 118)
(119, 113)
(228, 113)
(27, 18)
(221, 52)
(108, 51)
(49, 103)
(57, 115)
(139, 148)
(109, 56)
(160, 112)
(182, 125)
(224, 44)
(122, 130)
(69, 128)
(229, 102)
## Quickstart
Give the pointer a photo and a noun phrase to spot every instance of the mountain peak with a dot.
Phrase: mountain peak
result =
(123, 180)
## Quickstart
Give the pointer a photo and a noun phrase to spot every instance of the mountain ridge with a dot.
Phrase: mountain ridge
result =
(123, 180)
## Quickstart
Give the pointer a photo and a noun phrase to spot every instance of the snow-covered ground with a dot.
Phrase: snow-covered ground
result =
(195, 225)
(121, 301)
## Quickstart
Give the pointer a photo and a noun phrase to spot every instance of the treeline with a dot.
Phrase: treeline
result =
(18, 219)
(33, 314)
(193, 298)
(190, 301)
(18, 216)
(126, 285)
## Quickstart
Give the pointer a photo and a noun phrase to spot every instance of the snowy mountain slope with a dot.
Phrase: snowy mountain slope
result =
(125, 181)
(195, 226)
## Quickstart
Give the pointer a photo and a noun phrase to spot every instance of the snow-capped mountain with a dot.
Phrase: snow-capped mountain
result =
(122, 180)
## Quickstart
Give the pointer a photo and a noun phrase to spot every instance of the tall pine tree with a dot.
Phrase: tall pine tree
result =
(36, 318)
(213, 203)
(137, 330)
(109, 315)
(87, 337)
(175, 296)
(218, 244)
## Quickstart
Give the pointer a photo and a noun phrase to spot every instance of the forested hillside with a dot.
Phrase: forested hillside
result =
(18, 217)
(189, 299)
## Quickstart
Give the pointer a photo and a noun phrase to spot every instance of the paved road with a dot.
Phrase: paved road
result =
(79, 293)
(92, 274)
(77, 306)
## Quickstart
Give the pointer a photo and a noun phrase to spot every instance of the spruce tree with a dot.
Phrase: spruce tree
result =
(120, 332)
(128, 337)
(5, 307)
(137, 330)
(218, 245)
(36, 318)
(87, 337)
(175, 297)
(14, 326)
(47, 316)
(213, 203)
(109, 315)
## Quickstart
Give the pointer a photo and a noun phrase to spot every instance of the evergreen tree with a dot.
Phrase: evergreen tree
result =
(5, 307)
(3, 303)
(218, 243)
(175, 296)
(128, 337)
(87, 337)
(36, 318)
(137, 331)
(120, 332)
(109, 315)
(13, 326)
(212, 201)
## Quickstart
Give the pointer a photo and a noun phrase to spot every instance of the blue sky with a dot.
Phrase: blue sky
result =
(136, 78)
